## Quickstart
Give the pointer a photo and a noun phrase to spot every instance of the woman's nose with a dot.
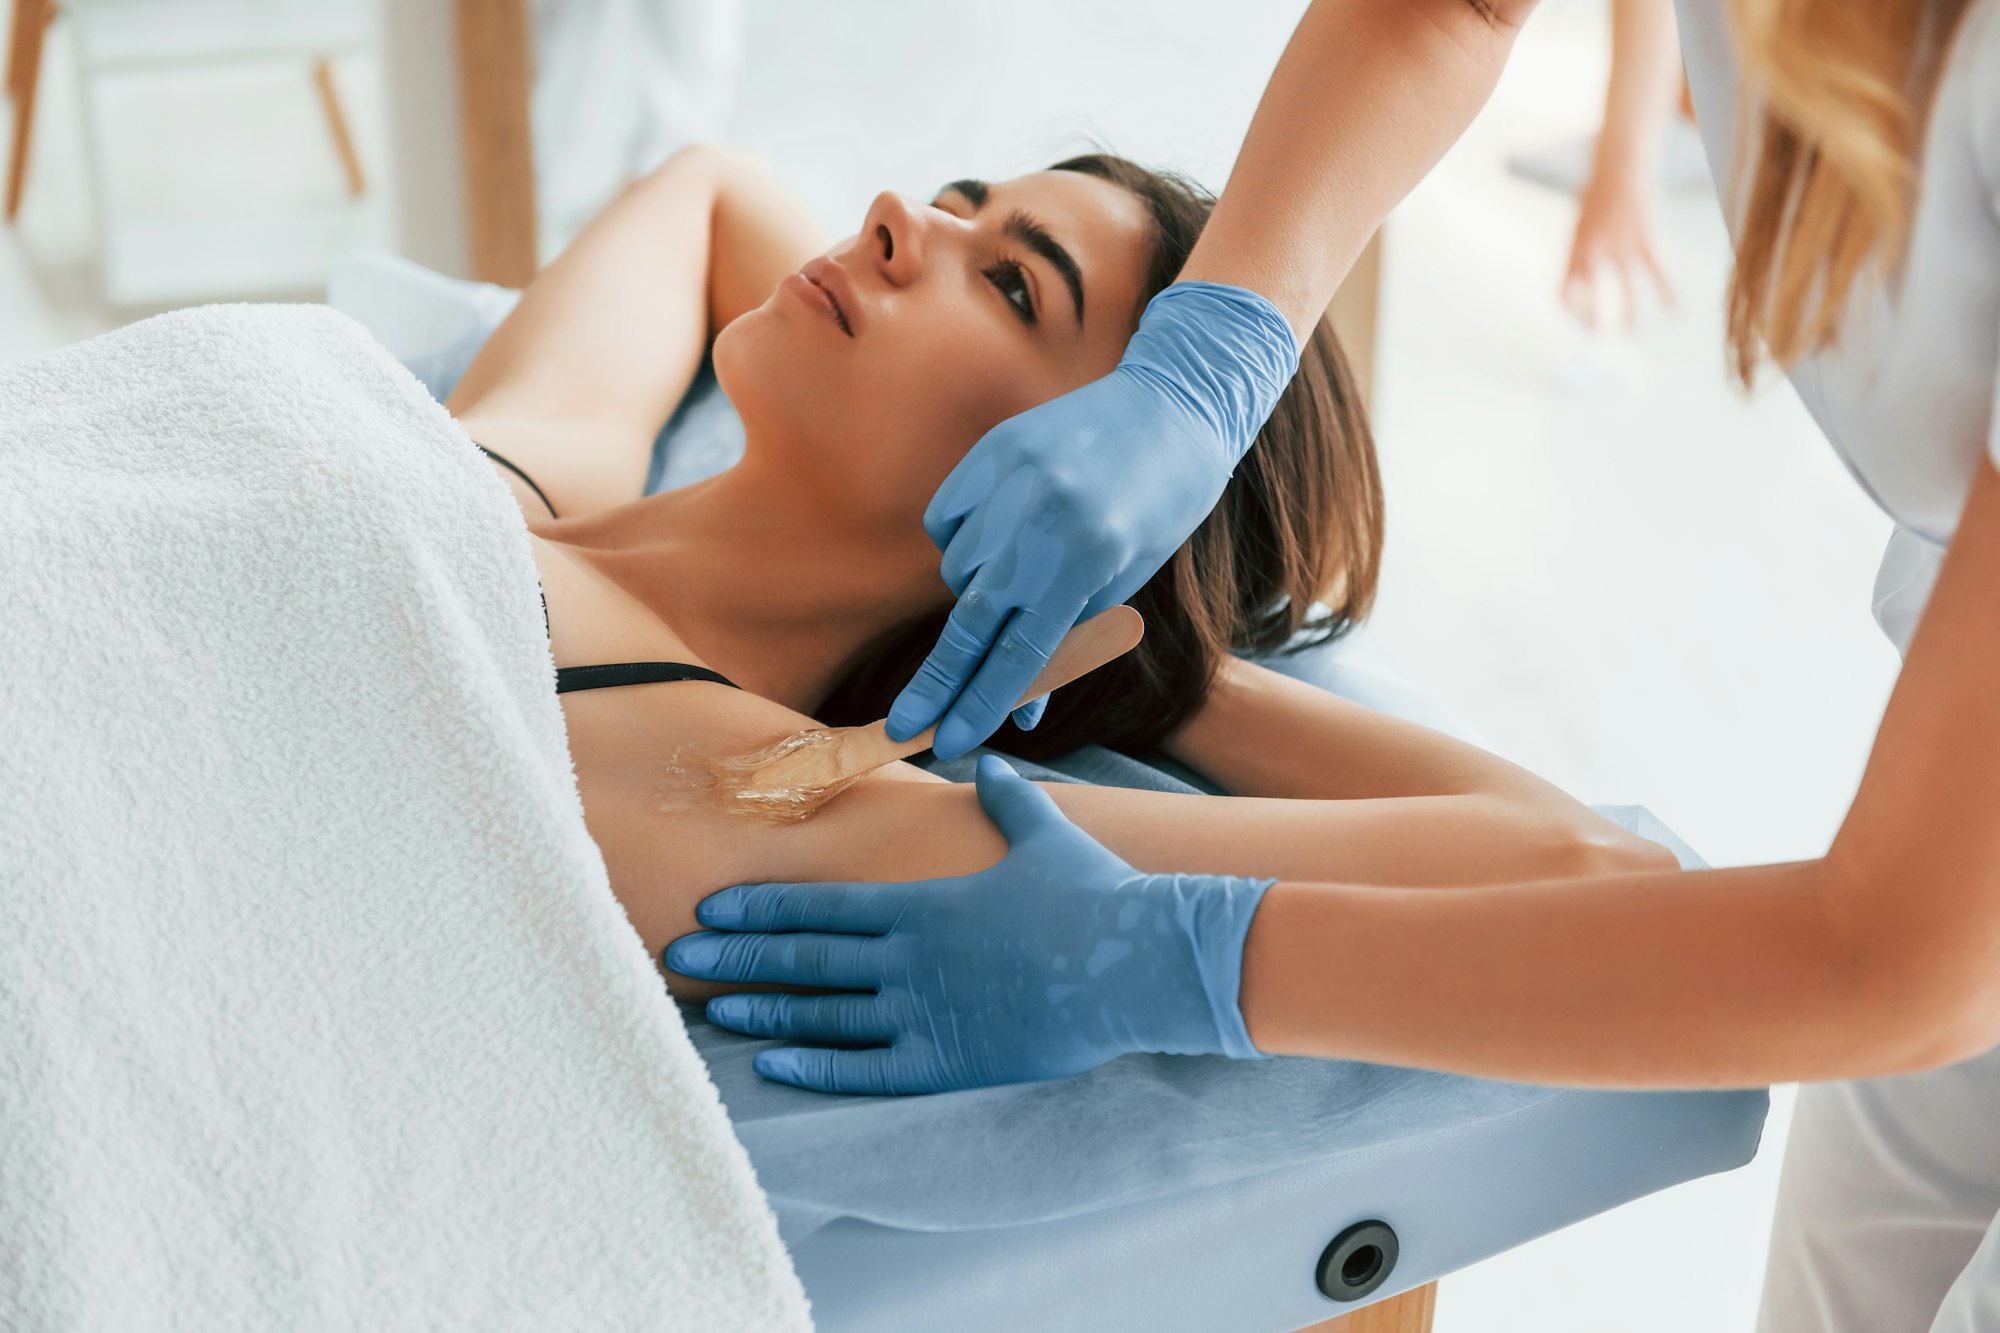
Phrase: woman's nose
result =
(892, 236)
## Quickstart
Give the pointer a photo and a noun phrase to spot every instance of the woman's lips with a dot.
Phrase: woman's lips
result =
(799, 285)
(822, 283)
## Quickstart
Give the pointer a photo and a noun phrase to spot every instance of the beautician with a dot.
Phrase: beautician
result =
(1867, 228)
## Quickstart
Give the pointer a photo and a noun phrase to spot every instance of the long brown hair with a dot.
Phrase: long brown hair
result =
(1300, 523)
(1826, 170)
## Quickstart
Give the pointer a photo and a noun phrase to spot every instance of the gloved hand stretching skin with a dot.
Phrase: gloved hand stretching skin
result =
(1071, 506)
(1057, 959)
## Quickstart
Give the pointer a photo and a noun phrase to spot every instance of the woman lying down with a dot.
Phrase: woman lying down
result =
(799, 585)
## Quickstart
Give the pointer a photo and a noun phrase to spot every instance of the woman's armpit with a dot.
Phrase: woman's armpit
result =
(647, 774)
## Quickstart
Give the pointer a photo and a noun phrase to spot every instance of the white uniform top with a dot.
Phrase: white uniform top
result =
(1887, 1204)
(1907, 396)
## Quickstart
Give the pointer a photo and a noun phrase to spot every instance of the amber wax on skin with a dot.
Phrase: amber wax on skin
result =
(730, 783)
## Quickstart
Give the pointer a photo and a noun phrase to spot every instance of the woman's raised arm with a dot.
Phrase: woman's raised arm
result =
(608, 336)
(1262, 734)
(1445, 820)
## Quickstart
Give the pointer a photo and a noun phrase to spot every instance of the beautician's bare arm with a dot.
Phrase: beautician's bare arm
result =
(608, 336)
(1366, 99)
(1881, 957)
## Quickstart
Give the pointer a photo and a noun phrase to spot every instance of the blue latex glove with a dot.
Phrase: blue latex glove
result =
(1070, 507)
(1050, 963)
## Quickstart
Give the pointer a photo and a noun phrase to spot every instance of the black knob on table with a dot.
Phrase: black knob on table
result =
(1357, 1261)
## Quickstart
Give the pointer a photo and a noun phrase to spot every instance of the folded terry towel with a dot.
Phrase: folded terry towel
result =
(316, 1010)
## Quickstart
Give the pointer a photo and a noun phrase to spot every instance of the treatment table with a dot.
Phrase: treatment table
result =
(1160, 1194)
(1402, 1177)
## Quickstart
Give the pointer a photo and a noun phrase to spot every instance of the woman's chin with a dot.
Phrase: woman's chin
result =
(760, 359)
(782, 387)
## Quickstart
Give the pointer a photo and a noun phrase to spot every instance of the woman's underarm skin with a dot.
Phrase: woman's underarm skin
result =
(1879, 958)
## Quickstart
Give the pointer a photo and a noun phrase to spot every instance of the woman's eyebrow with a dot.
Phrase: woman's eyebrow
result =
(1032, 234)
(973, 190)
(1025, 229)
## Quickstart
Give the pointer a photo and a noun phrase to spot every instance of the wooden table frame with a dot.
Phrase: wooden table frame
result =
(1410, 1312)
(496, 77)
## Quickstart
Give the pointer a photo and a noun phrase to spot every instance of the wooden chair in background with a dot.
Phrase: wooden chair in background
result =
(28, 36)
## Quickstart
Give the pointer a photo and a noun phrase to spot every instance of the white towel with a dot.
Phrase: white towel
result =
(316, 1010)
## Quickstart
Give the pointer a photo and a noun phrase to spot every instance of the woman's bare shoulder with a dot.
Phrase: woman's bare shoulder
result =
(584, 467)
(593, 618)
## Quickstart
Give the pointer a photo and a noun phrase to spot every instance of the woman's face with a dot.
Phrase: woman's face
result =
(883, 361)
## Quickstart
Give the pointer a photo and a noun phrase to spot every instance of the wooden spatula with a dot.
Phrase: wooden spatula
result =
(834, 758)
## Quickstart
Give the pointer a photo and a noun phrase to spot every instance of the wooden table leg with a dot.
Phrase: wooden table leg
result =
(495, 81)
(24, 72)
(14, 44)
(18, 18)
(1410, 1312)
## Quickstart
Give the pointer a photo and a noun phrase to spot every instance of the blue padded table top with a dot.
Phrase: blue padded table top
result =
(1137, 1129)
(1140, 1128)
(1242, 1255)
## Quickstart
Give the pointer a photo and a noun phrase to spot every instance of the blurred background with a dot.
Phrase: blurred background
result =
(1618, 569)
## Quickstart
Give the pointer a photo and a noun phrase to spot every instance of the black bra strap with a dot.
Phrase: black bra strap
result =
(608, 674)
(508, 464)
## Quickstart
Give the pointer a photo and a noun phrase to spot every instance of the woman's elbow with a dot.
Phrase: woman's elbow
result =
(693, 163)
(1961, 1032)
(1925, 1015)
(1924, 966)
(1592, 846)
(1619, 852)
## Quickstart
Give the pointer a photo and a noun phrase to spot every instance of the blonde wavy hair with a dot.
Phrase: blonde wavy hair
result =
(1826, 171)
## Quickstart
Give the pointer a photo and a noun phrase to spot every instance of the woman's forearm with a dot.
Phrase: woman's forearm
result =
(1262, 734)
(759, 232)
(612, 331)
(1365, 100)
(1259, 733)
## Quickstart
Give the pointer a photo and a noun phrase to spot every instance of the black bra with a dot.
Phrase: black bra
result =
(608, 675)
(508, 463)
